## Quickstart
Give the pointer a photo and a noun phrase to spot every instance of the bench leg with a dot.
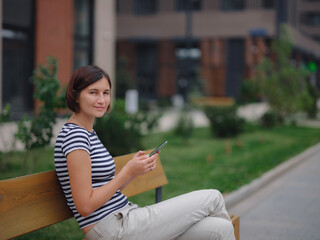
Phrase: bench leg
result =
(158, 194)
(236, 225)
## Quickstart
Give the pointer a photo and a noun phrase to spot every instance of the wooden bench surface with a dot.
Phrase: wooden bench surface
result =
(35, 201)
(213, 101)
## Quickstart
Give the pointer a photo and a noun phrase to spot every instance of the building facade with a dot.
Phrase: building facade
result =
(76, 32)
(171, 45)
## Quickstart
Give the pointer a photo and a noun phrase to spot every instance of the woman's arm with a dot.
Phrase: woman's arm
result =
(87, 199)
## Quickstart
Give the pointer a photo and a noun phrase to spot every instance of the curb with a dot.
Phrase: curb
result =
(245, 191)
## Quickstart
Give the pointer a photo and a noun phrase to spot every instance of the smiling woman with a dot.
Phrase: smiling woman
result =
(86, 171)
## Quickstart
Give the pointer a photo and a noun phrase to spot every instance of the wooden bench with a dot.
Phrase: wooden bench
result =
(213, 101)
(36, 201)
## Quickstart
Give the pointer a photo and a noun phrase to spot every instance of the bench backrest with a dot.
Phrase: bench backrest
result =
(35, 201)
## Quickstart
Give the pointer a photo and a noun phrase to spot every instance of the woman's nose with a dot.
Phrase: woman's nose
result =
(101, 98)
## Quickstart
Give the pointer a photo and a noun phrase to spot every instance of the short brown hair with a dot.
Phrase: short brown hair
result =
(80, 79)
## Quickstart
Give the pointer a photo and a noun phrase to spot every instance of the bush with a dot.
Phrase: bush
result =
(270, 119)
(185, 126)
(282, 84)
(117, 132)
(309, 101)
(249, 92)
(4, 117)
(223, 120)
(122, 133)
(37, 132)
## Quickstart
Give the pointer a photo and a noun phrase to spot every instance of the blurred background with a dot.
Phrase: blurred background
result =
(232, 85)
(169, 50)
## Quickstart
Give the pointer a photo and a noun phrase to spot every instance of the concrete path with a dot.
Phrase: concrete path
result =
(287, 208)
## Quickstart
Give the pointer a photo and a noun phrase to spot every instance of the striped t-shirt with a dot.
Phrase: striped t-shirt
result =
(73, 137)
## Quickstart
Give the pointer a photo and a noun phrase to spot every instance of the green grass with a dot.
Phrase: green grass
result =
(199, 163)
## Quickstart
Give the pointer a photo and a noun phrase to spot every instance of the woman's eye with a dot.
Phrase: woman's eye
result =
(92, 92)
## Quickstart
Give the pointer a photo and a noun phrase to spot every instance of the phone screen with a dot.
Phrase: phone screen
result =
(158, 148)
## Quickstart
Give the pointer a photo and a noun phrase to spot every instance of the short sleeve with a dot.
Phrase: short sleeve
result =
(75, 139)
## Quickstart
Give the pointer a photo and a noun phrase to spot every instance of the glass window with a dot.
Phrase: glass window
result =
(182, 5)
(144, 7)
(311, 18)
(146, 60)
(82, 33)
(268, 4)
(18, 56)
(232, 5)
(187, 68)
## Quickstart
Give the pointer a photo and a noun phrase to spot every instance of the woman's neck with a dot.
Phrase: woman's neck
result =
(82, 121)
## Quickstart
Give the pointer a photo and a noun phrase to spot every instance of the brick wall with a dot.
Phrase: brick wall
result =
(213, 66)
(166, 85)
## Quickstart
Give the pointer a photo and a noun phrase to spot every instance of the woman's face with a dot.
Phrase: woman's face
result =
(95, 99)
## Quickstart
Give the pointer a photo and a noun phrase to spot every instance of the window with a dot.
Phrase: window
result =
(182, 5)
(187, 68)
(311, 18)
(145, 7)
(268, 4)
(18, 56)
(82, 33)
(146, 60)
(232, 5)
(316, 37)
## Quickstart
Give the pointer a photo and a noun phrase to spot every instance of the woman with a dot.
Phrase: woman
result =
(86, 172)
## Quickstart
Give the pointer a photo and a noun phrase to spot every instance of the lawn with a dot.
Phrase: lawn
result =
(198, 163)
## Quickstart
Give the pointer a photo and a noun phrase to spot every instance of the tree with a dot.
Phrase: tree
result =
(4, 118)
(38, 131)
(282, 84)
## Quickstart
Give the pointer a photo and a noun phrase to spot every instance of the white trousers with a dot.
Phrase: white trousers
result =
(193, 216)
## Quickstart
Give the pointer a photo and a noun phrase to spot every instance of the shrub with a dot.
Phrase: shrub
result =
(223, 120)
(4, 117)
(185, 126)
(38, 131)
(282, 84)
(122, 133)
(309, 101)
(249, 92)
(270, 119)
(118, 133)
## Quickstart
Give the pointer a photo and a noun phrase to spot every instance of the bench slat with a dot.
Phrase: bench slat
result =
(31, 202)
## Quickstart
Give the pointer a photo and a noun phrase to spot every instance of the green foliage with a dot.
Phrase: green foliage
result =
(309, 101)
(122, 133)
(185, 126)
(4, 117)
(281, 84)
(223, 121)
(249, 92)
(5, 114)
(270, 119)
(37, 132)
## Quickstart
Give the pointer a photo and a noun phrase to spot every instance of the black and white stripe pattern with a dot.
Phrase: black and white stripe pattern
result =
(73, 137)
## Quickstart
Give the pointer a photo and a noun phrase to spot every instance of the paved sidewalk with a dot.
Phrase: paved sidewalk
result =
(287, 208)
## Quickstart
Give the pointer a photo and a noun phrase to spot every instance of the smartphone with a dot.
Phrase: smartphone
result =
(158, 148)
